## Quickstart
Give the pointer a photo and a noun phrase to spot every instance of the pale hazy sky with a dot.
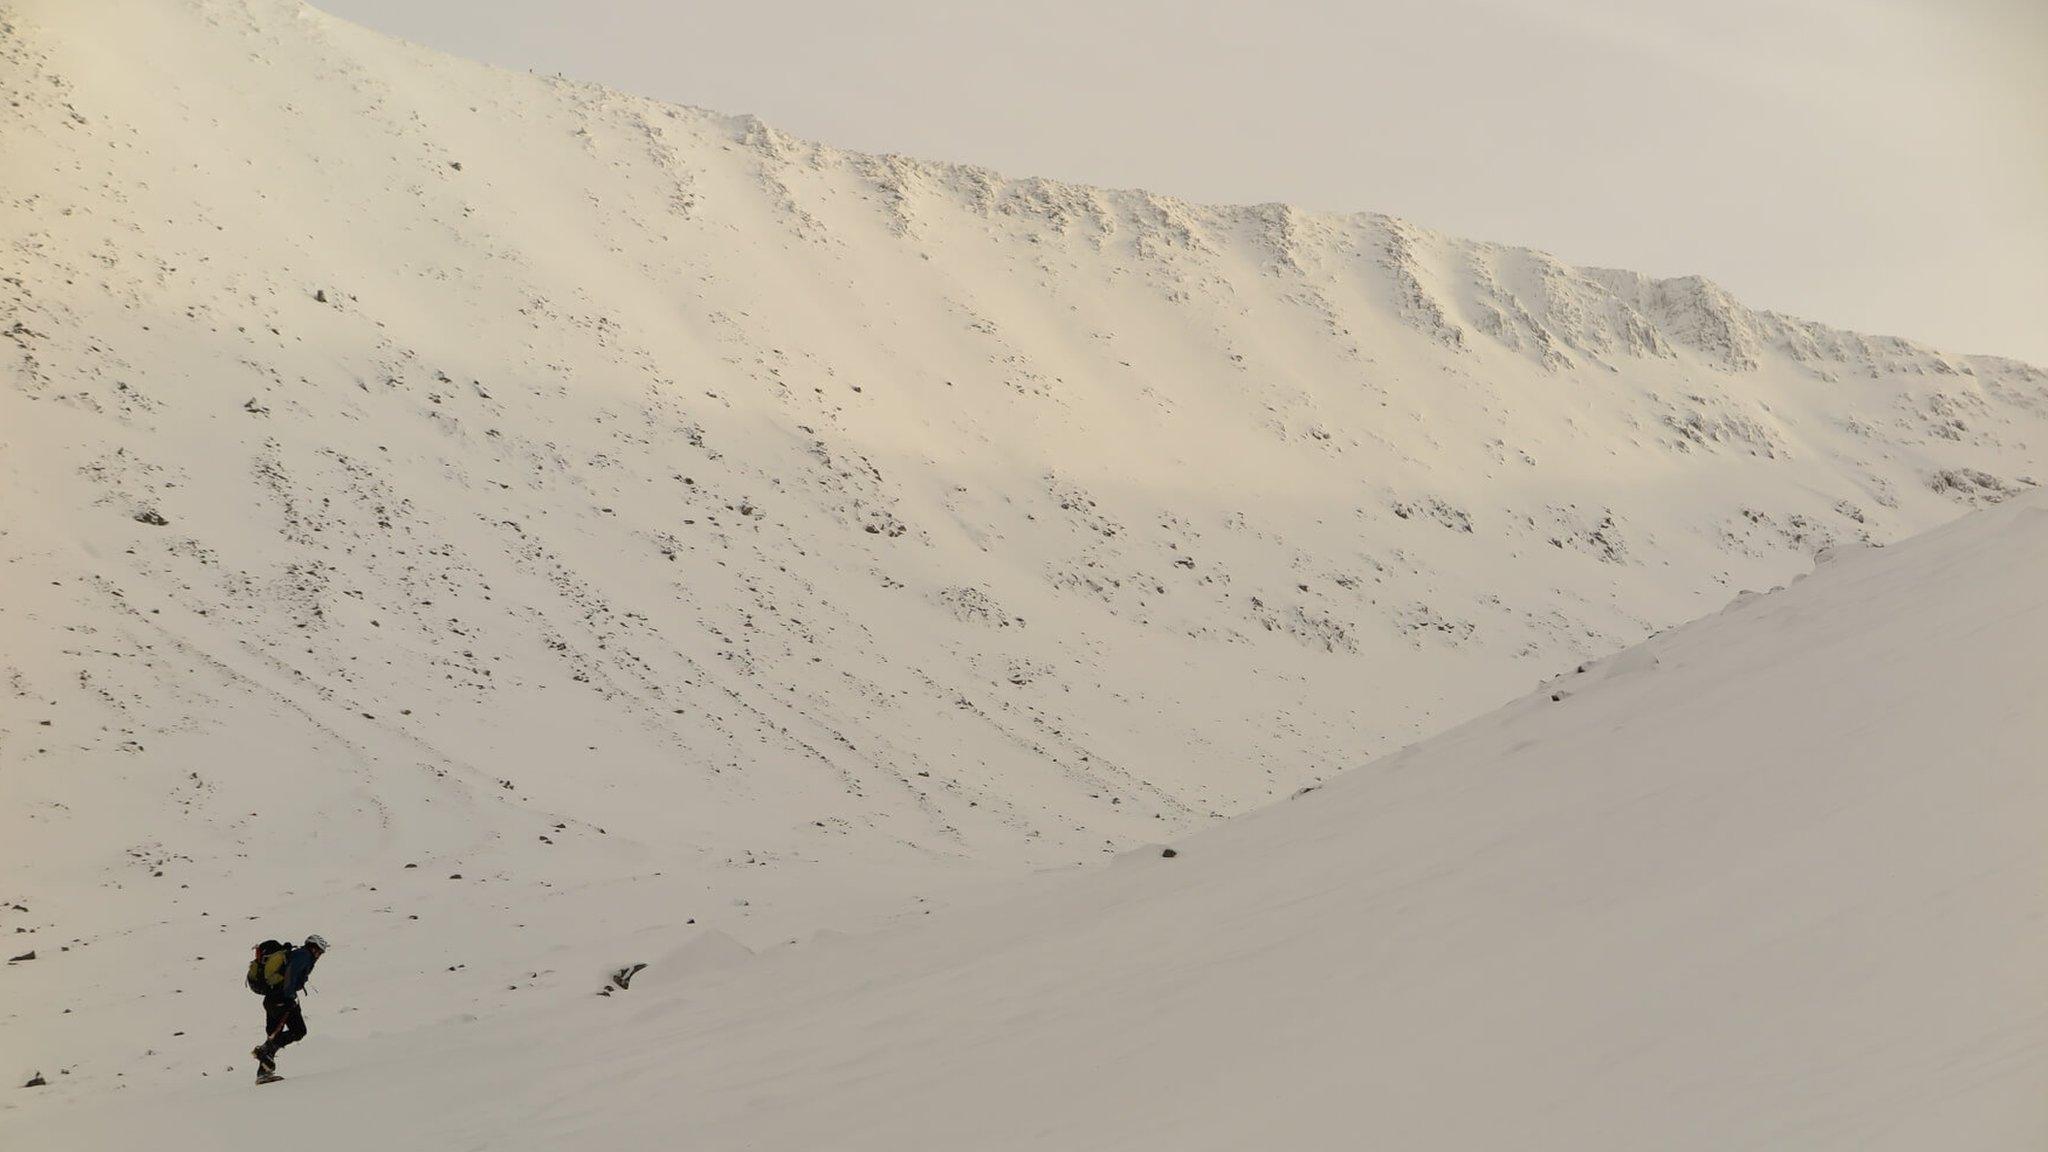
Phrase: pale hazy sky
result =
(1877, 164)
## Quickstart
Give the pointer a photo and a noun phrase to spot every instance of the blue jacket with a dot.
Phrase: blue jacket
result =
(297, 967)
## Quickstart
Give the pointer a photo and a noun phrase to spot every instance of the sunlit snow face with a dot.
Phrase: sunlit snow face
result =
(1599, 108)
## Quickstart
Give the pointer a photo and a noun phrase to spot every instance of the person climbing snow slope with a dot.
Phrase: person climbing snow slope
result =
(278, 974)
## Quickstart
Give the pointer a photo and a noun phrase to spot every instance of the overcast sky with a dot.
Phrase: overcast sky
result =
(1877, 164)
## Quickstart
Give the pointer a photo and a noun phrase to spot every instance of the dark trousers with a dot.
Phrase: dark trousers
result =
(282, 1021)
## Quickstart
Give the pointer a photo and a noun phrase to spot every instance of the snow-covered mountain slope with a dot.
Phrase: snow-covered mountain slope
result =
(664, 524)
(1773, 880)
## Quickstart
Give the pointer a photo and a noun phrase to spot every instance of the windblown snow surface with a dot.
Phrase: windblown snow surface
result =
(516, 529)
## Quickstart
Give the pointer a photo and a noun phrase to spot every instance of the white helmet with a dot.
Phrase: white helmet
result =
(316, 940)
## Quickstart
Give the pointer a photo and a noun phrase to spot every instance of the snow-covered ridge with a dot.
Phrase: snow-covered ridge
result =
(406, 461)
(1555, 314)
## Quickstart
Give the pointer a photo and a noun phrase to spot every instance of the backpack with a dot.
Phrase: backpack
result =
(266, 971)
